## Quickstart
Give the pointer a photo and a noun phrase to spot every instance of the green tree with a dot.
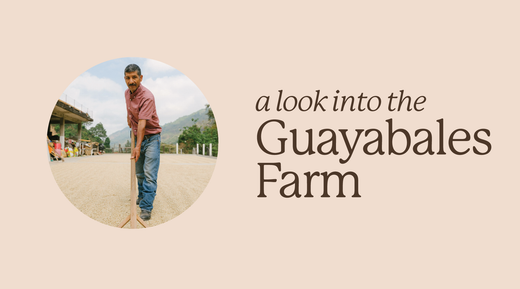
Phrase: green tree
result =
(98, 132)
(191, 136)
(71, 131)
(208, 134)
(210, 114)
(107, 142)
(128, 144)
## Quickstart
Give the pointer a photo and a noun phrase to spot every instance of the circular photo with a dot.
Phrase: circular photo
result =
(132, 143)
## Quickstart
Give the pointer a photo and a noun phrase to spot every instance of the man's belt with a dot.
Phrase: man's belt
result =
(150, 135)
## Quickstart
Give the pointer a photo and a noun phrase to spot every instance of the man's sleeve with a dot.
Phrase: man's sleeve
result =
(147, 108)
(127, 110)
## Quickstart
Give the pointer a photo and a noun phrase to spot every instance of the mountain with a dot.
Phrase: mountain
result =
(120, 137)
(170, 131)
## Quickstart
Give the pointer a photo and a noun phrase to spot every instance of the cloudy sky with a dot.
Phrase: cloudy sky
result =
(100, 91)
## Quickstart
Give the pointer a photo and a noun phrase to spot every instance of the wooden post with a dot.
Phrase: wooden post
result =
(80, 152)
(133, 217)
(133, 188)
(62, 135)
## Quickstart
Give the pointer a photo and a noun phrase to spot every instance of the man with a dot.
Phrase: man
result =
(143, 120)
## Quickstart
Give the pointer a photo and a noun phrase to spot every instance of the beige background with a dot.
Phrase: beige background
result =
(422, 222)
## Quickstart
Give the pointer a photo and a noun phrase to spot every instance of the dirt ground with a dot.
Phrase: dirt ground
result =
(99, 186)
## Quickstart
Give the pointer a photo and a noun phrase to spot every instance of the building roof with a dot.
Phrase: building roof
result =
(69, 113)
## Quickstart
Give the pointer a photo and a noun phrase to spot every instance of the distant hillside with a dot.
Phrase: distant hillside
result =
(120, 137)
(170, 131)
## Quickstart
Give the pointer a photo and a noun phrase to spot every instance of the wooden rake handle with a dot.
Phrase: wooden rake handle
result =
(133, 217)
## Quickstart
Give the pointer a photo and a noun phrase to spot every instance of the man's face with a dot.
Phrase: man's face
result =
(133, 80)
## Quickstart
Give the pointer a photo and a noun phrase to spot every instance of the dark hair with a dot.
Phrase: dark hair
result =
(132, 68)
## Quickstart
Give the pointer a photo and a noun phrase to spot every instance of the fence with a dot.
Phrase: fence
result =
(203, 149)
(77, 105)
(206, 150)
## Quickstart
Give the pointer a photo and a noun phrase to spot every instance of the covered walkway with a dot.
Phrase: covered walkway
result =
(64, 113)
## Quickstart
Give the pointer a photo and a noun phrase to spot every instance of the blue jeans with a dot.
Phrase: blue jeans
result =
(146, 169)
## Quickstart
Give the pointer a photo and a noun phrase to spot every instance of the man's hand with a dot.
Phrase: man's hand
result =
(136, 153)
